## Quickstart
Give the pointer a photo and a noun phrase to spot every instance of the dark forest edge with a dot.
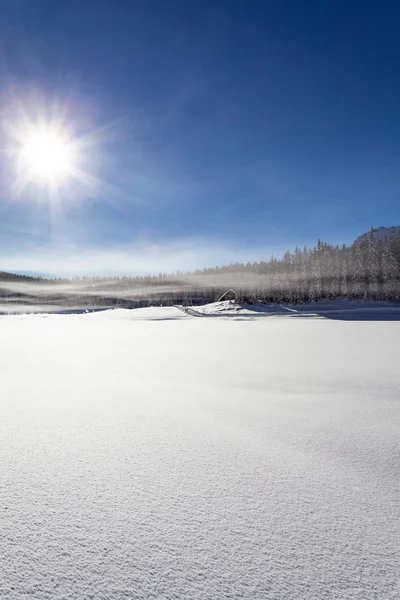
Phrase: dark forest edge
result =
(367, 270)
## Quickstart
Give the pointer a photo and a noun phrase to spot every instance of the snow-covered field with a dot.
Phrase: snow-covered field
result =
(153, 454)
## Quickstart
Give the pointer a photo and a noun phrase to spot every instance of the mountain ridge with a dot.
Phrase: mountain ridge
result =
(379, 233)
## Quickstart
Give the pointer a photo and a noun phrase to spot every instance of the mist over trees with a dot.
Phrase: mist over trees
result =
(368, 270)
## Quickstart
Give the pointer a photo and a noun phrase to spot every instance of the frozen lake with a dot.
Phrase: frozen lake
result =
(152, 454)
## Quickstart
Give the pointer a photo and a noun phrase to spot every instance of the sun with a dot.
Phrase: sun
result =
(47, 156)
(52, 153)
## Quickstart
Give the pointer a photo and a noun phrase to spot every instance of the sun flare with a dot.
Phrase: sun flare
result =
(51, 153)
(47, 156)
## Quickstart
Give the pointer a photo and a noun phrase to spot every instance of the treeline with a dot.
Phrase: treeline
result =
(369, 269)
(5, 276)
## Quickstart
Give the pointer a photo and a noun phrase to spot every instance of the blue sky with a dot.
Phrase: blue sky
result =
(220, 130)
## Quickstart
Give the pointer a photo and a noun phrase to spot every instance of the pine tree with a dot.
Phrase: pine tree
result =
(372, 265)
(316, 277)
(358, 273)
(389, 271)
(335, 273)
(343, 271)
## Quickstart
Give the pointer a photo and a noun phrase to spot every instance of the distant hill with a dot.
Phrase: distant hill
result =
(35, 274)
(380, 233)
(6, 276)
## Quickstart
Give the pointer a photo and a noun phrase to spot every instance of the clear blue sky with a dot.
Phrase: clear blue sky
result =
(223, 130)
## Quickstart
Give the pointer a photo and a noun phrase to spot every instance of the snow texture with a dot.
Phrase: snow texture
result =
(153, 454)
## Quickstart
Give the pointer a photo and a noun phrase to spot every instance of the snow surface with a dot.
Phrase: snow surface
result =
(153, 454)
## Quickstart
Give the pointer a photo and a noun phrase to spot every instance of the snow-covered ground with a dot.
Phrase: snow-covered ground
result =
(154, 454)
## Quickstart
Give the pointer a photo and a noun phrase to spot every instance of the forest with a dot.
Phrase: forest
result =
(367, 270)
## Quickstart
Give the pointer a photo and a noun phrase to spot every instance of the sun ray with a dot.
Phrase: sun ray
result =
(57, 155)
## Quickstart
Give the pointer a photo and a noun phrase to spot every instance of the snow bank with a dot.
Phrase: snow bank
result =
(337, 309)
(148, 456)
(233, 309)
